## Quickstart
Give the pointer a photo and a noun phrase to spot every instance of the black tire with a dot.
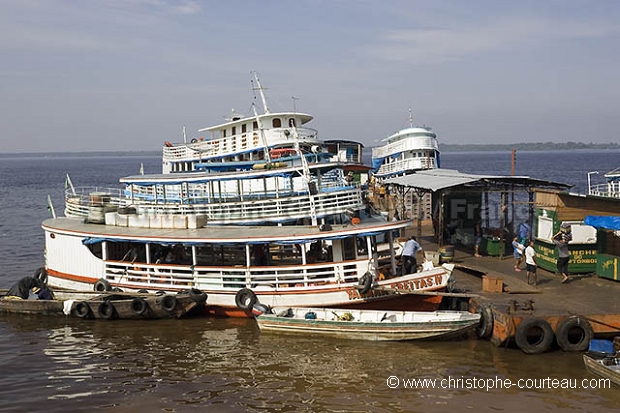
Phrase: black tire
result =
(365, 283)
(82, 310)
(168, 303)
(485, 326)
(143, 291)
(245, 299)
(106, 310)
(160, 293)
(574, 334)
(41, 275)
(139, 306)
(260, 309)
(102, 285)
(534, 335)
(116, 290)
(198, 296)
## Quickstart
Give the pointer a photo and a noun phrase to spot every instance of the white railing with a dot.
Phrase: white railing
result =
(241, 142)
(277, 278)
(410, 164)
(419, 143)
(239, 211)
(610, 189)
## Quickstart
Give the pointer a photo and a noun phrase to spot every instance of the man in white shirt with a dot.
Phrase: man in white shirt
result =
(530, 261)
(409, 262)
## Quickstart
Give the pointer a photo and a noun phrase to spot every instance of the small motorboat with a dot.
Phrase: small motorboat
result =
(603, 360)
(375, 325)
(108, 305)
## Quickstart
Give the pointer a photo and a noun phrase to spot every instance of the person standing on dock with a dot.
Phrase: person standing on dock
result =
(478, 234)
(530, 262)
(561, 240)
(518, 253)
(408, 260)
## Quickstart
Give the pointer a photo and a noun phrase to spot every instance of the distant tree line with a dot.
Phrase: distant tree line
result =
(526, 146)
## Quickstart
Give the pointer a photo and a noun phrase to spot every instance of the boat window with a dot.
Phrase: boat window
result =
(220, 255)
(254, 125)
(223, 133)
(291, 122)
(349, 247)
(234, 130)
(244, 128)
(126, 251)
(276, 123)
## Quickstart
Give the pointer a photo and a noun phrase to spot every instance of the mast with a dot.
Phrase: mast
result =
(410, 119)
(262, 93)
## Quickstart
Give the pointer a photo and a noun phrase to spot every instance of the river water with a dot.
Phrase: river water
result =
(226, 365)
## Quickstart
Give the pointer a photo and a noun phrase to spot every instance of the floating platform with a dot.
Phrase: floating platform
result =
(550, 315)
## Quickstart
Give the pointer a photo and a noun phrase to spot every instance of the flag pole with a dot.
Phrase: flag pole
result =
(50, 207)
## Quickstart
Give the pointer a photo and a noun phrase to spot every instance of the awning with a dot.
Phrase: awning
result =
(439, 178)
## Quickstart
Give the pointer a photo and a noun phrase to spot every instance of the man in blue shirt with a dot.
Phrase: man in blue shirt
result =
(408, 260)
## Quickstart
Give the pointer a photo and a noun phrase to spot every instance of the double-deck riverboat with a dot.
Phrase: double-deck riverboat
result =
(280, 221)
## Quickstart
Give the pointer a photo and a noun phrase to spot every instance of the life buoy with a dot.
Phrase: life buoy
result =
(41, 275)
(138, 306)
(574, 334)
(106, 310)
(168, 303)
(82, 309)
(365, 283)
(484, 329)
(194, 140)
(102, 285)
(245, 299)
(534, 335)
(198, 296)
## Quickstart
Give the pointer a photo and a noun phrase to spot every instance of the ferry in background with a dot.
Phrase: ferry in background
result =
(408, 150)
(278, 221)
(610, 189)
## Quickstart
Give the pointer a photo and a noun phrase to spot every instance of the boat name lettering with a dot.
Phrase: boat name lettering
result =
(410, 285)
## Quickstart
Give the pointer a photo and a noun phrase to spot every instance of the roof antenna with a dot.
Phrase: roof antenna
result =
(410, 119)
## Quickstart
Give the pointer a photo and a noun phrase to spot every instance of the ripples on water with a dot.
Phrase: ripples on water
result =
(226, 364)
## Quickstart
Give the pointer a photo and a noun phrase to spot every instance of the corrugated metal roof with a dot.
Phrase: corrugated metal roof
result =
(440, 178)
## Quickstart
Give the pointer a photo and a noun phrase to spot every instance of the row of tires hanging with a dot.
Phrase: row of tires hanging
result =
(535, 335)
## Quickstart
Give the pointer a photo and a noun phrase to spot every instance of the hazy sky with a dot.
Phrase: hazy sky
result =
(129, 74)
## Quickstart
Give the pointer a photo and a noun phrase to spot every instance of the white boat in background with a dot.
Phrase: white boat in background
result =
(610, 189)
(408, 150)
(374, 325)
(278, 220)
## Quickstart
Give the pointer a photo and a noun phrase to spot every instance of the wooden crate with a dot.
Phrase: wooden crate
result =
(492, 284)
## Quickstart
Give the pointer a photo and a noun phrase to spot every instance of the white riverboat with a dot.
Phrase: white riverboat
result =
(408, 150)
(610, 189)
(281, 223)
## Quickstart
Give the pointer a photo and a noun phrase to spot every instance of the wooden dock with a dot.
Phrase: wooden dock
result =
(551, 315)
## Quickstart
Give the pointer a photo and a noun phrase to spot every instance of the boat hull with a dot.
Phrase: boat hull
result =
(599, 368)
(370, 325)
(108, 305)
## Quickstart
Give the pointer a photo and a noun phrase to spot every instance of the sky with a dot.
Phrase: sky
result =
(128, 75)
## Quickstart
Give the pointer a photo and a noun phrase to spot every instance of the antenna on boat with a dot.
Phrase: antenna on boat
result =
(294, 99)
(184, 135)
(410, 119)
(261, 91)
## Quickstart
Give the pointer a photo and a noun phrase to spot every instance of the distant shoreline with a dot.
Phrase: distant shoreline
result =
(443, 147)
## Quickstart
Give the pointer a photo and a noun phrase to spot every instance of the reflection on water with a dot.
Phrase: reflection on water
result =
(226, 364)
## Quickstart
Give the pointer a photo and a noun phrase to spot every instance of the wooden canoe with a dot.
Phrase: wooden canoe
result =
(376, 325)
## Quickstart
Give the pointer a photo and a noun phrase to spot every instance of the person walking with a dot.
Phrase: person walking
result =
(408, 261)
(561, 240)
(530, 262)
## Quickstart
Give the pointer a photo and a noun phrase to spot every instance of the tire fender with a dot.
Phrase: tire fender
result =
(102, 285)
(168, 303)
(198, 296)
(106, 310)
(41, 275)
(245, 299)
(574, 334)
(82, 309)
(138, 306)
(484, 329)
(534, 335)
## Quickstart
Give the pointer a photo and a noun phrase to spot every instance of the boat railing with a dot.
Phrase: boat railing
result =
(240, 142)
(420, 143)
(276, 277)
(230, 210)
(78, 200)
(609, 189)
(402, 165)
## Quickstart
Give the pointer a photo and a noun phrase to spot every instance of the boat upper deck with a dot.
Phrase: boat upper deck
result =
(223, 234)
